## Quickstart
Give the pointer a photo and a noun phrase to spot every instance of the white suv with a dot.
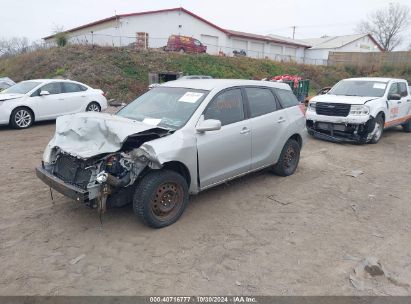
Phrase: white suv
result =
(45, 99)
(359, 109)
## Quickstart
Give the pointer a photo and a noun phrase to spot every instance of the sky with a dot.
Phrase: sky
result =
(35, 19)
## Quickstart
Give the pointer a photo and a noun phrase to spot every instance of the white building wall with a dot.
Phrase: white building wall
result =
(364, 44)
(160, 26)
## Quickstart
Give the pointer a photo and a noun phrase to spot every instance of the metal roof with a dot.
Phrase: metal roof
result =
(335, 42)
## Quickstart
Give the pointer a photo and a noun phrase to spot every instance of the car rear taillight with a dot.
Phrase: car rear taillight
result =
(104, 94)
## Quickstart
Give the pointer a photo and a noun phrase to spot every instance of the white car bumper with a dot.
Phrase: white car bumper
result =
(350, 119)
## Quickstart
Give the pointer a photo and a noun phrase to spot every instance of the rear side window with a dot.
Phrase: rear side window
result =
(70, 87)
(227, 107)
(403, 89)
(287, 98)
(261, 101)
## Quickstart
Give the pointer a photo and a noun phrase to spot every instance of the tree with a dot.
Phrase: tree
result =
(60, 36)
(13, 46)
(387, 24)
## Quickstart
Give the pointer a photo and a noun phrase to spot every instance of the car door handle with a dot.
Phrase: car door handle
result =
(281, 120)
(399, 102)
(61, 98)
(245, 131)
(408, 100)
(83, 96)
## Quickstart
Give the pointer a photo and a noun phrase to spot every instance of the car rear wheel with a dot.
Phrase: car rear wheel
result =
(407, 126)
(160, 198)
(289, 159)
(93, 107)
(21, 118)
(378, 129)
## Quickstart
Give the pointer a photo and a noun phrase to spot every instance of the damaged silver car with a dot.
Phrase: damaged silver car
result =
(177, 139)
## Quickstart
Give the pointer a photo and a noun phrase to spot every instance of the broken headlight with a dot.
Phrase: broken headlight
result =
(312, 106)
(359, 110)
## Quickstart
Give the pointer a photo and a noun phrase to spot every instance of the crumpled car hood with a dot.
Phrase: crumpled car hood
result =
(89, 134)
(357, 100)
(5, 96)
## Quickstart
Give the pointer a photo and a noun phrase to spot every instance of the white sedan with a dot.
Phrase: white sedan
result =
(46, 99)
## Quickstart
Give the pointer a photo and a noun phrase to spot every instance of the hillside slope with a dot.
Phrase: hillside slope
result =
(123, 73)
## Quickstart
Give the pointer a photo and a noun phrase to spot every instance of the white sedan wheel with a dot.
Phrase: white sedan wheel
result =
(93, 107)
(23, 118)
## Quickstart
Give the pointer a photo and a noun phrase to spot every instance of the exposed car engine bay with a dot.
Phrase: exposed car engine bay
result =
(108, 178)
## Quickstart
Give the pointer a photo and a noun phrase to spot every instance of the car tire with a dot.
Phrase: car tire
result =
(160, 198)
(310, 132)
(379, 123)
(407, 126)
(93, 107)
(289, 159)
(21, 118)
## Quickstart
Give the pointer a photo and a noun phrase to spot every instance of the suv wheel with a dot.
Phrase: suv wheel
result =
(407, 126)
(289, 158)
(21, 118)
(160, 198)
(379, 129)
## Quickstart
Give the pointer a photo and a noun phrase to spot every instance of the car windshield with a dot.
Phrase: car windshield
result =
(21, 88)
(166, 107)
(359, 88)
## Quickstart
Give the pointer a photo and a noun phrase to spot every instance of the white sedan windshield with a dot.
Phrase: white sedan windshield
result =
(165, 107)
(21, 88)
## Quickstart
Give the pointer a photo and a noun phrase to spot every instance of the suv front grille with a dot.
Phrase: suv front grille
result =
(72, 170)
(333, 109)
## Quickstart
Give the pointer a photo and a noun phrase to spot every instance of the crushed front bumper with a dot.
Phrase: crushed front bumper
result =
(337, 132)
(73, 192)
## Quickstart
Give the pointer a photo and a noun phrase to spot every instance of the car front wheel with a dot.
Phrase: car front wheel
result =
(93, 107)
(289, 159)
(160, 198)
(21, 118)
(407, 126)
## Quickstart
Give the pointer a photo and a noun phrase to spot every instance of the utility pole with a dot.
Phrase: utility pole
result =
(293, 27)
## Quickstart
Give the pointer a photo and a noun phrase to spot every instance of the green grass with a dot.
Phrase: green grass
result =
(123, 73)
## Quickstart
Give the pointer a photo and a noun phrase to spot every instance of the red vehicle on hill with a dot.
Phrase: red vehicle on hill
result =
(184, 44)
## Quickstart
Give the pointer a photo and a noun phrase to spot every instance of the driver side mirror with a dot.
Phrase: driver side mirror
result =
(208, 125)
(44, 93)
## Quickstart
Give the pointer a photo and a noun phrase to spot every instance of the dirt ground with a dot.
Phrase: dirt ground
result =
(259, 235)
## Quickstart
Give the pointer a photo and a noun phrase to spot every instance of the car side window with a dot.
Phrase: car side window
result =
(70, 87)
(52, 88)
(403, 89)
(226, 107)
(287, 98)
(261, 101)
(394, 89)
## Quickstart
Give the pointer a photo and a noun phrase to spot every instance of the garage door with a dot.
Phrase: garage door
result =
(290, 52)
(211, 42)
(239, 45)
(256, 50)
(275, 51)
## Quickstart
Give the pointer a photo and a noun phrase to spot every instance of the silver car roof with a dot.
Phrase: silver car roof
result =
(210, 84)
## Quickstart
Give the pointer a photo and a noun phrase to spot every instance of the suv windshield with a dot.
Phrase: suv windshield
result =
(360, 88)
(21, 88)
(170, 108)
